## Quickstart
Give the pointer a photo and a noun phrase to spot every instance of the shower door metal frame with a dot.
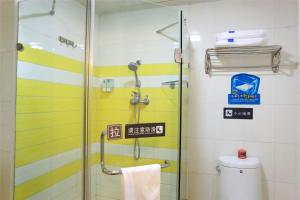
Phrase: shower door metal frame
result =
(88, 77)
(180, 109)
(182, 83)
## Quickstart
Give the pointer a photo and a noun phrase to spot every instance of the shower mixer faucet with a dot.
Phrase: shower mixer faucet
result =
(136, 99)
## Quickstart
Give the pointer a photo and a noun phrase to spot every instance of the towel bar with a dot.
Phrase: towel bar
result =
(213, 55)
(116, 172)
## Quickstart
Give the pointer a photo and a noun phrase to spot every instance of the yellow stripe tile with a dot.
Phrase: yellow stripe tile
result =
(34, 186)
(49, 59)
(35, 104)
(48, 119)
(33, 137)
(46, 89)
(144, 70)
(53, 60)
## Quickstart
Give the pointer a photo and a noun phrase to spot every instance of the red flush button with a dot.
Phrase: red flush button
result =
(242, 153)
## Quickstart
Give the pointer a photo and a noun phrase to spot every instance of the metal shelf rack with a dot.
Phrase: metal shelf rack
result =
(214, 54)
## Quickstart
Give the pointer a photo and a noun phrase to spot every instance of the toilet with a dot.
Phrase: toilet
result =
(239, 179)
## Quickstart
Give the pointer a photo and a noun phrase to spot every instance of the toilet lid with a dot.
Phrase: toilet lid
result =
(235, 162)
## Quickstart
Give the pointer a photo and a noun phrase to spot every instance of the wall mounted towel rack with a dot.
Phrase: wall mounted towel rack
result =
(216, 54)
(116, 172)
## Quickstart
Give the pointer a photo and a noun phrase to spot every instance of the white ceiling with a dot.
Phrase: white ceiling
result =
(111, 6)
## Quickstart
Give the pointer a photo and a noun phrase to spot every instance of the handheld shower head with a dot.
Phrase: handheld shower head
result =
(133, 66)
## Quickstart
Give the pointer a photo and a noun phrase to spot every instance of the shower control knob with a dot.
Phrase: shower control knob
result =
(146, 100)
(135, 98)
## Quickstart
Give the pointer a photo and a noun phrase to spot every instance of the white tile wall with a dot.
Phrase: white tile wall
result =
(272, 135)
(7, 95)
(129, 36)
(68, 21)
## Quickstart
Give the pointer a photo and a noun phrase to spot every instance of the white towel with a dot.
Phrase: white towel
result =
(232, 42)
(240, 34)
(141, 183)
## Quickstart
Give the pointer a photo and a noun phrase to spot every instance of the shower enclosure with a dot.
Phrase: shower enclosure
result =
(86, 70)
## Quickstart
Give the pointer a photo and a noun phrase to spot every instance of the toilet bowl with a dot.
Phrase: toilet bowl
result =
(239, 179)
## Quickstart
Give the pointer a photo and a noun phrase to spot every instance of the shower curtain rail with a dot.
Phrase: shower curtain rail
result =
(116, 172)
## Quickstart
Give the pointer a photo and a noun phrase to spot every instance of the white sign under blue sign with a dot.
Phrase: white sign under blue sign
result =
(244, 89)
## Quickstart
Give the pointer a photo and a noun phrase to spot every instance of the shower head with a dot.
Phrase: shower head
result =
(133, 66)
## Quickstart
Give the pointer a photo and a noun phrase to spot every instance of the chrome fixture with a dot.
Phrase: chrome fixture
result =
(116, 172)
(133, 66)
(172, 84)
(136, 101)
(135, 98)
(161, 31)
(136, 95)
(51, 12)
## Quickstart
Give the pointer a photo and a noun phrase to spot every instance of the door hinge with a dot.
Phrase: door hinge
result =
(178, 55)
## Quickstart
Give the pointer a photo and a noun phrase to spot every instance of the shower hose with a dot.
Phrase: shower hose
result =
(137, 146)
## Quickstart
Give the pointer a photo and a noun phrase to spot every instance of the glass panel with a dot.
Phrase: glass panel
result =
(49, 129)
(184, 109)
(125, 32)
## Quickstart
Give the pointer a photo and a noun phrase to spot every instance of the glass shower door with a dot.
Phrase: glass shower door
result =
(50, 93)
(135, 80)
(184, 93)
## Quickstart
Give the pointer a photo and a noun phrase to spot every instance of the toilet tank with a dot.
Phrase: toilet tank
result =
(239, 179)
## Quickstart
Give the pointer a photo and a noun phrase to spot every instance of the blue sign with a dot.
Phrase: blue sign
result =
(244, 89)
